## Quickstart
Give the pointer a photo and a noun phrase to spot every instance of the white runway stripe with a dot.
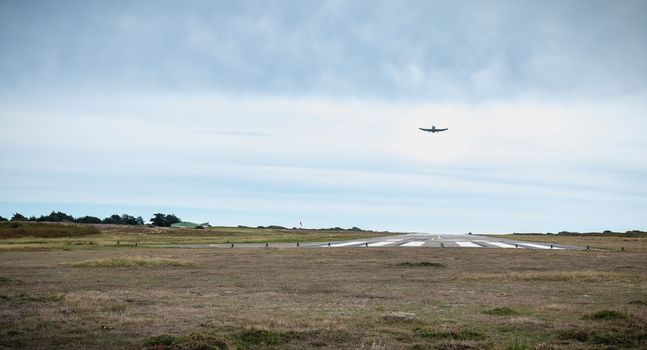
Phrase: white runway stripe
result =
(413, 244)
(379, 244)
(538, 246)
(346, 244)
(499, 244)
(468, 245)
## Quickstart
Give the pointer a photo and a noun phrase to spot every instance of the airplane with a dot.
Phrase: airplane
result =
(433, 129)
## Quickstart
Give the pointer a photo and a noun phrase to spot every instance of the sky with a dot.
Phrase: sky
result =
(281, 112)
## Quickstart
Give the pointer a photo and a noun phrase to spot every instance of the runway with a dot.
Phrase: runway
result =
(410, 240)
(426, 240)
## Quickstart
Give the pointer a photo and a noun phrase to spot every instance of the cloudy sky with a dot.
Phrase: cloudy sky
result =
(275, 112)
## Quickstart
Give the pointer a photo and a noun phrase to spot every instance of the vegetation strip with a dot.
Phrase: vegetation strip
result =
(131, 262)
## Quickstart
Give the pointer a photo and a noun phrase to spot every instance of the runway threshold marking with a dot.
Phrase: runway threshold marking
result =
(498, 244)
(346, 244)
(380, 244)
(468, 245)
(413, 244)
(538, 246)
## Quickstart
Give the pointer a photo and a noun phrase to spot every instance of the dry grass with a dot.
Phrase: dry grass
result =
(34, 236)
(325, 299)
(559, 276)
(637, 243)
(44, 230)
(131, 261)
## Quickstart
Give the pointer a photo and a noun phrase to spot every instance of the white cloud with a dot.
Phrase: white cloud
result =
(325, 158)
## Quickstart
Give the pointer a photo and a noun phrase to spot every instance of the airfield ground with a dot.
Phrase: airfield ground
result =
(96, 296)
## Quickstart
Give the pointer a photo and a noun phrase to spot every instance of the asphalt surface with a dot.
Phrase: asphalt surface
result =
(425, 240)
(411, 240)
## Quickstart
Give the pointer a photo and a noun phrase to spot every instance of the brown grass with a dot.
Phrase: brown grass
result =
(638, 243)
(36, 236)
(131, 261)
(559, 276)
(44, 230)
(324, 298)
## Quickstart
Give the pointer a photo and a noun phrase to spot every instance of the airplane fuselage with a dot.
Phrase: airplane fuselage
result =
(433, 129)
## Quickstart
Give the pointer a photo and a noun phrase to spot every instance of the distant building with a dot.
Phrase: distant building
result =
(185, 224)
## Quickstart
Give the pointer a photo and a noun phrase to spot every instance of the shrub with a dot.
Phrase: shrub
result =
(501, 311)
(606, 315)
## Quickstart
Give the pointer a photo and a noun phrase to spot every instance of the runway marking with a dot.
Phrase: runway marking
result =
(498, 244)
(379, 244)
(413, 244)
(394, 239)
(538, 246)
(468, 245)
(346, 244)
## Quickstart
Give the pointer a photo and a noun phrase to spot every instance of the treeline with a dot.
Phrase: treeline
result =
(158, 219)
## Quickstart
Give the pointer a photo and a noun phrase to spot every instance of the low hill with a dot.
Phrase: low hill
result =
(15, 229)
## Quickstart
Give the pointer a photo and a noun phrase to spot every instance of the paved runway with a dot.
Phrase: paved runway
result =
(426, 240)
(411, 240)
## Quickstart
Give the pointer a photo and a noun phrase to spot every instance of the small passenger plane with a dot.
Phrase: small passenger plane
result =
(433, 129)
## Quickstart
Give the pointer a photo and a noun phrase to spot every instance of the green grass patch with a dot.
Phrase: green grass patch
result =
(501, 311)
(252, 338)
(161, 341)
(131, 262)
(614, 337)
(625, 332)
(420, 264)
(518, 344)
(464, 333)
(574, 333)
(610, 315)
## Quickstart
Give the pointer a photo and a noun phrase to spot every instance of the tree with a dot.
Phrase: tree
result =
(88, 220)
(157, 219)
(123, 219)
(56, 217)
(162, 220)
(18, 217)
(131, 220)
(3, 218)
(113, 219)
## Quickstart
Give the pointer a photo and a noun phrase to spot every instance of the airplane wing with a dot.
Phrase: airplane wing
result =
(438, 130)
(427, 130)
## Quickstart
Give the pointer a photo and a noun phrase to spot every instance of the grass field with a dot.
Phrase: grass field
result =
(147, 298)
(28, 235)
(635, 242)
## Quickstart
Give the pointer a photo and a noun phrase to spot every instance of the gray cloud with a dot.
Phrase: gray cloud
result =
(399, 50)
